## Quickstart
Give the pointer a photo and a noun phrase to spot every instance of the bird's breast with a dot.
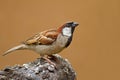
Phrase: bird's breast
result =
(53, 48)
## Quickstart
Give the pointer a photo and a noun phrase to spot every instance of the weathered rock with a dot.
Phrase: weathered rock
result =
(40, 69)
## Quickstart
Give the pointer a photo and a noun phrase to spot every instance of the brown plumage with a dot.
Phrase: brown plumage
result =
(45, 37)
(48, 42)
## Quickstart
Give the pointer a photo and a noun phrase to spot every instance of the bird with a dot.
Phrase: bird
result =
(48, 42)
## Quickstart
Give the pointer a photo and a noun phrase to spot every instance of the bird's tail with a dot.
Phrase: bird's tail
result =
(19, 47)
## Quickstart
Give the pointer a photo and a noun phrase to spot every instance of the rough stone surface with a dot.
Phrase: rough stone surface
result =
(40, 69)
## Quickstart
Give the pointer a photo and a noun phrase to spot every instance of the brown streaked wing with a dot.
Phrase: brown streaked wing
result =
(33, 39)
(45, 37)
(52, 34)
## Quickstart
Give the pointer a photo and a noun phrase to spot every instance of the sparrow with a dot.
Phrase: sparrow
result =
(48, 42)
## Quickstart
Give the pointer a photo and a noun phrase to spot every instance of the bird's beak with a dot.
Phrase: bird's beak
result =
(75, 24)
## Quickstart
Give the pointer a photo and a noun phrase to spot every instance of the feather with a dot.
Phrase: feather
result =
(43, 38)
(19, 47)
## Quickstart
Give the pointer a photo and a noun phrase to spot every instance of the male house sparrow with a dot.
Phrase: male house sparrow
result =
(48, 42)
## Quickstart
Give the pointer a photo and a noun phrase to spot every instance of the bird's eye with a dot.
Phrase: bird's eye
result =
(69, 24)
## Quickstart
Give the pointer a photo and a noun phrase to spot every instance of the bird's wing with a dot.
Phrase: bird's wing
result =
(43, 38)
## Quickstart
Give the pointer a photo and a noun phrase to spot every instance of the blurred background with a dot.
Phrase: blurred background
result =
(95, 50)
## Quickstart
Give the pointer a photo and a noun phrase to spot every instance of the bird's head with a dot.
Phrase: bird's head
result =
(68, 28)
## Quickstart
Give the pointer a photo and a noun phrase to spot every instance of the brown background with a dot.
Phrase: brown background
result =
(95, 49)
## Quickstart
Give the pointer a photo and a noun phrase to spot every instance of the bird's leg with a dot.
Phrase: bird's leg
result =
(53, 58)
(48, 60)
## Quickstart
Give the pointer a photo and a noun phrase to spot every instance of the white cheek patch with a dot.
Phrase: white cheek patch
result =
(67, 31)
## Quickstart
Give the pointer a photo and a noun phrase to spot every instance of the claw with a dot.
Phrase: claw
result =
(49, 61)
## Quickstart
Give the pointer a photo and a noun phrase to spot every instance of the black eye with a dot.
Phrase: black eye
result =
(69, 24)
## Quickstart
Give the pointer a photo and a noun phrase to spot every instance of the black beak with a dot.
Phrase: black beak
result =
(75, 24)
(72, 24)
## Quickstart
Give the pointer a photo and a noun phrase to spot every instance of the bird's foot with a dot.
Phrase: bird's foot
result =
(49, 61)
